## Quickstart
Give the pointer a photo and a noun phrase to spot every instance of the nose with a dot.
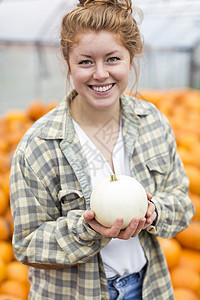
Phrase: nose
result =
(100, 72)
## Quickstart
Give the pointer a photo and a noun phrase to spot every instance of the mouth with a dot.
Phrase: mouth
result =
(102, 88)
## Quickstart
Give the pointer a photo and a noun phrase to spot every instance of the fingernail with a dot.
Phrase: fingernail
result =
(120, 220)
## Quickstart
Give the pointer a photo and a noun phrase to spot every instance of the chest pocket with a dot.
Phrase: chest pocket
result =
(71, 200)
(158, 165)
(158, 169)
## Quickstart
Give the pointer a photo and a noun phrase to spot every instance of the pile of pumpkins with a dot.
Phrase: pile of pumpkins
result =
(14, 283)
(182, 108)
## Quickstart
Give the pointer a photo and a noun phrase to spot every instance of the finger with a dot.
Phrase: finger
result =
(140, 227)
(150, 219)
(110, 232)
(150, 210)
(133, 229)
(88, 215)
(130, 230)
(149, 196)
(116, 228)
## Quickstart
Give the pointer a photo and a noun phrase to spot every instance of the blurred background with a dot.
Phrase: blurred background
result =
(31, 65)
(33, 80)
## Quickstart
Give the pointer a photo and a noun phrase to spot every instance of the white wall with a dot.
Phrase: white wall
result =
(26, 75)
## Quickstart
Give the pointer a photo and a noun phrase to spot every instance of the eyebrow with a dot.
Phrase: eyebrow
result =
(110, 53)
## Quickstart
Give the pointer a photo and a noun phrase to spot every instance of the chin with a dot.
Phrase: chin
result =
(105, 104)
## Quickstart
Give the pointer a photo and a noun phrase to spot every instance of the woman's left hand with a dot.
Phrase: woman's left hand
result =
(135, 226)
(149, 217)
(151, 213)
(133, 229)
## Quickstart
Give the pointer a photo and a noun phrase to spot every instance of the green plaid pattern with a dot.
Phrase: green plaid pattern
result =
(50, 190)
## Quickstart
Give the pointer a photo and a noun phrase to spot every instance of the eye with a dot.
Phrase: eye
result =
(113, 59)
(86, 62)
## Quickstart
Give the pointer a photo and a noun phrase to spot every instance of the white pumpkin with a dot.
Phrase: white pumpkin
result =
(118, 196)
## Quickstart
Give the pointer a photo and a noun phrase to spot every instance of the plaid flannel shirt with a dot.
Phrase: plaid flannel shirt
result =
(50, 190)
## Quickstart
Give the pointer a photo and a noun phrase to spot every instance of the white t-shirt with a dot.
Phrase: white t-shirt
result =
(120, 257)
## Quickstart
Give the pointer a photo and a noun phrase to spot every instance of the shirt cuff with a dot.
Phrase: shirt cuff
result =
(153, 228)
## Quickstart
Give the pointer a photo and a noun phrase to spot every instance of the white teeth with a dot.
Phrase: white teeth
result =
(102, 88)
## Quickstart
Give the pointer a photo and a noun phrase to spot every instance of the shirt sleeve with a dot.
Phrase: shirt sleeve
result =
(43, 237)
(175, 209)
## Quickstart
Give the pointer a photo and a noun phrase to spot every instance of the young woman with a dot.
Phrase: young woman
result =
(96, 132)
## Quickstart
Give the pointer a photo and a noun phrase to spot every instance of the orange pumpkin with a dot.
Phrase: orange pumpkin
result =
(153, 96)
(14, 288)
(6, 251)
(35, 110)
(5, 231)
(190, 237)
(17, 271)
(185, 294)
(9, 297)
(4, 162)
(196, 201)
(193, 173)
(49, 106)
(191, 259)
(185, 155)
(172, 251)
(184, 277)
(2, 270)
(8, 218)
(4, 202)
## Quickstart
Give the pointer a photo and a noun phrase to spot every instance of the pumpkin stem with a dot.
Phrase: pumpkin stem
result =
(113, 178)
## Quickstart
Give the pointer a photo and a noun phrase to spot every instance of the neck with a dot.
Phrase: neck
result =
(86, 115)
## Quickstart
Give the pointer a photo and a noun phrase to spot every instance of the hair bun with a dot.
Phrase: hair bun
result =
(122, 4)
(82, 2)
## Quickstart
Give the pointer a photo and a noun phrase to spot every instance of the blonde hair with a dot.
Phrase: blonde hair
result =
(111, 15)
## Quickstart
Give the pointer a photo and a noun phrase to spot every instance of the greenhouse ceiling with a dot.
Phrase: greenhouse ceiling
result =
(166, 23)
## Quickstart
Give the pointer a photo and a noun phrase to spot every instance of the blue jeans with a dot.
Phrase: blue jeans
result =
(126, 288)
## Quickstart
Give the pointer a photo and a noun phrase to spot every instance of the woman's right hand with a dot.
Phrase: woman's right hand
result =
(133, 229)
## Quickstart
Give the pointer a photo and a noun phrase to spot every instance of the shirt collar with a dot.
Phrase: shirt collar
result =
(132, 106)
(59, 125)
(55, 121)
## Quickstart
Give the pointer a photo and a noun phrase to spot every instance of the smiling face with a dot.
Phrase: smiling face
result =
(99, 65)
